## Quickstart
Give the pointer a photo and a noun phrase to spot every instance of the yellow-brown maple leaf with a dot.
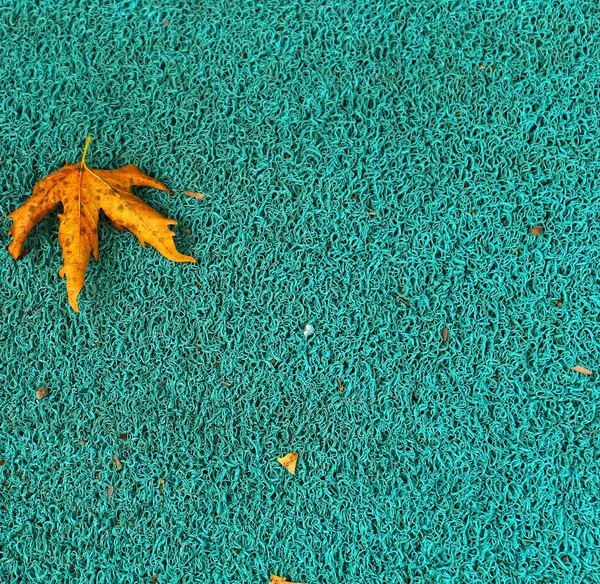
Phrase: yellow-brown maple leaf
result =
(83, 191)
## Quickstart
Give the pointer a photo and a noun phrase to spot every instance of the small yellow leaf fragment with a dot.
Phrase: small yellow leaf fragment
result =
(198, 196)
(117, 462)
(445, 334)
(280, 580)
(582, 370)
(340, 385)
(289, 461)
(110, 491)
(161, 486)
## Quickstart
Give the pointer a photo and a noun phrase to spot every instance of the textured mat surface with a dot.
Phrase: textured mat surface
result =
(352, 155)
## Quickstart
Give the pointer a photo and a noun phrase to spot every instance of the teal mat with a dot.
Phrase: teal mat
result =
(352, 155)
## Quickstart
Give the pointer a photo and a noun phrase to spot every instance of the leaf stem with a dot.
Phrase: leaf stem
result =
(85, 149)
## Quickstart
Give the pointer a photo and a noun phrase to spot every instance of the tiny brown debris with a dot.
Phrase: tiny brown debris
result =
(109, 491)
(166, 21)
(537, 230)
(198, 196)
(225, 383)
(124, 436)
(41, 393)
(2, 462)
(445, 334)
(289, 461)
(340, 385)
(559, 303)
(400, 299)
(161, 486)
(117, 462)
(582, 370)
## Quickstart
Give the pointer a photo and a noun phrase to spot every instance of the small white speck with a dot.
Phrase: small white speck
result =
(309, 329)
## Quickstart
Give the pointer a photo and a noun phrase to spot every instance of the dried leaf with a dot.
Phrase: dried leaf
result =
(340, 385)
(161, 486)
(444, 334)
(582, 370)
(83, 192)
(289, 461)
(41, 393)
(199, 196)
(117, 462)
(109, 491)
(280, 580)
(537, 230)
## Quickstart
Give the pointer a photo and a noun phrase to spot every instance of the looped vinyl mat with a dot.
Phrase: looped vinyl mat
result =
(370, 169)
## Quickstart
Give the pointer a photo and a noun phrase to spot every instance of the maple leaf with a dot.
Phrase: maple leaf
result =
(83, 191)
